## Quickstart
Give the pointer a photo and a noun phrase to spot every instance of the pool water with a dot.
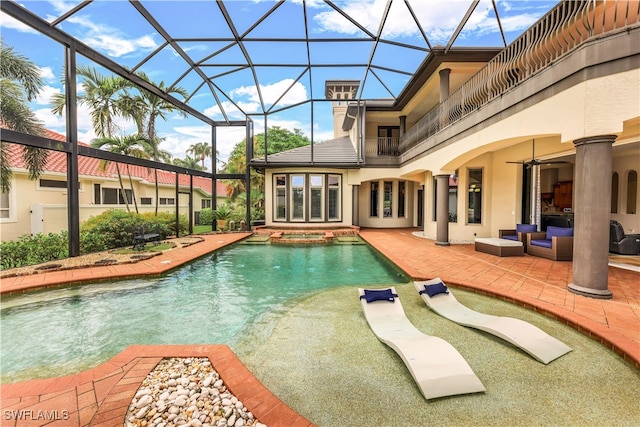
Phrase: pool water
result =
(208, 301)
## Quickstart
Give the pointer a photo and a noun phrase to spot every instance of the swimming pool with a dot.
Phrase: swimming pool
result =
(208, 301)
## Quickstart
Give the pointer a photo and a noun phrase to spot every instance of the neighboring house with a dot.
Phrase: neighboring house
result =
(460, 125)
(40, 206)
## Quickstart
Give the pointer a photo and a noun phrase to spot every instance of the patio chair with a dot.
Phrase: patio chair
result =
(620, 243)
(435, 365)
(519, 234)
(555, 244)
(534, 341)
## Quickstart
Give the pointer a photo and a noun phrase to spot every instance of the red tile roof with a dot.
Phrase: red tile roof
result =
(90, 167)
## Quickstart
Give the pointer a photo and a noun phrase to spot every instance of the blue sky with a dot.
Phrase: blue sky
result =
(117, 30)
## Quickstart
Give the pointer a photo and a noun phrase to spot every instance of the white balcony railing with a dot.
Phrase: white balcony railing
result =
(382, 147)
(562, 30)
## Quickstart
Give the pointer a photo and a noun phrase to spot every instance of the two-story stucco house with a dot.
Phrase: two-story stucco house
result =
(545, 131)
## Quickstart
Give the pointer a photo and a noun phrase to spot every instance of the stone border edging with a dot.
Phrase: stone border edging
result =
(102, 394)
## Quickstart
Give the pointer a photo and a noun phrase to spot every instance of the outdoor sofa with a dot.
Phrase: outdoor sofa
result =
(555, 244)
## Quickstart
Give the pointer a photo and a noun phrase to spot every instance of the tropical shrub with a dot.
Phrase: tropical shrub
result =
(34, 249)
(113, 228)
(223, 212)
(165, 223)
(206, 216)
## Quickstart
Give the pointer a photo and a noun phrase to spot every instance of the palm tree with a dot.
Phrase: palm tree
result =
(145, 108)
(188, 162)
(200, 150)
(130, 145)
(103, 95)
(19, 83)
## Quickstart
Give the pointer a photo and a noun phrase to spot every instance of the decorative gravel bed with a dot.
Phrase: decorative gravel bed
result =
(186, 392)
(98, 258)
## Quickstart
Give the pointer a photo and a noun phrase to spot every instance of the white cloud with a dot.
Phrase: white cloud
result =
(110, 40)
(50, 121)
(45, 95)
(7, 21)
(232, 111)
(178, 143)
(246, 98)
(46, 73)
(438, 19)
(270, 93)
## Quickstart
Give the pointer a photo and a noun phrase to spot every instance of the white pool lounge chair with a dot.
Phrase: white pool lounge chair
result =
(437, 367)
(524, 335)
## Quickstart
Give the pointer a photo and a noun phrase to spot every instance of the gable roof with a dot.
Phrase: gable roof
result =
(337, 152)
(90, 167)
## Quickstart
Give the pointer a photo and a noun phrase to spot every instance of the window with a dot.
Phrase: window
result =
(145, 201)
(5, 206)
(373, 207)
(316, 183)
(388, 199)
(632, 192)
(307, 197)
(334, 197)
(614, 193)
(453, 199)
(206, 203)
(167, 201)
(435, 199)
(110, 196)
(474, 208)
(53, 183)
(297, 197)
(113, 196)
(281, 197)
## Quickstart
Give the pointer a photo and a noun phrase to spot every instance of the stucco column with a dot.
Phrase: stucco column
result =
(442, 210)
(591, 207)
(355, 202)
(444, 94)
(444, 83)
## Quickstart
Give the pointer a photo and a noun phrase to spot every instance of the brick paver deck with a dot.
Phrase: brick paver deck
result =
(100, 396)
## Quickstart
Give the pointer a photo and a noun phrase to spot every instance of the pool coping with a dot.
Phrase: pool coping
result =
(101, 396)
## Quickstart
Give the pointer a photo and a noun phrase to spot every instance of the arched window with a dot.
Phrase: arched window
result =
(632, 192)
(614, 193)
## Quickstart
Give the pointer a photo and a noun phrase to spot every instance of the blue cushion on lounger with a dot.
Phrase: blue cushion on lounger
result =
(378, 295)
(435, 289)
(511, 237)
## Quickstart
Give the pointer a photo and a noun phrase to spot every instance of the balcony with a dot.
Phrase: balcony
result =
(382, 151)
(565, 29)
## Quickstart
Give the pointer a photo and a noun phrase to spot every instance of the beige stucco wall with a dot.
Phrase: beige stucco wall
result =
(623, 164)
(26, 195)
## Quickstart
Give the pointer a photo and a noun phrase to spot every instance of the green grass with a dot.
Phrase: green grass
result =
(199, 229)
(153, 247)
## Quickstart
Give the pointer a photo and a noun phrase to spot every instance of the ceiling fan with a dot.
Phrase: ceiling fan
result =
(536, 162)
